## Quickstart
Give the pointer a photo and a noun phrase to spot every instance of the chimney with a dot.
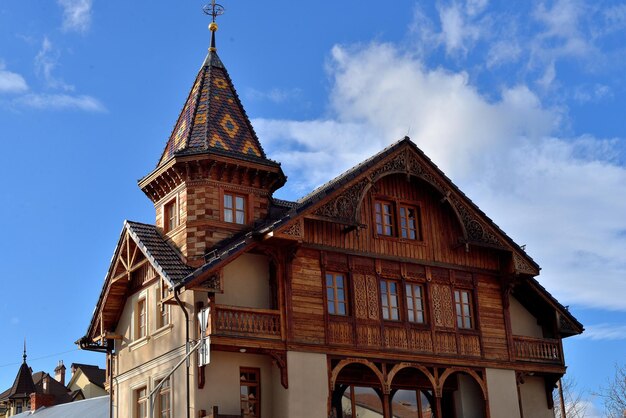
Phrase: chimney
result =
(38, 400)
(59, 373)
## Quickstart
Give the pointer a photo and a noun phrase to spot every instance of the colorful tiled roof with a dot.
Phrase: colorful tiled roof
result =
(213, 119)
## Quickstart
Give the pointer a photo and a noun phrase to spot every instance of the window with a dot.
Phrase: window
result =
(463, 303)
(336, 294)
(170, 215)
(394, 219)
(389, 300)
(250, 392)
(234, 209)
(164, 408)
(141, 402)
(384, 218)
(140, 330)
(163, 315)
(409, 223)
(415, 303)
(18, 407)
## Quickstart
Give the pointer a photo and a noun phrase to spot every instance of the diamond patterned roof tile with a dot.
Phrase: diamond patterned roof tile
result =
(213, 119)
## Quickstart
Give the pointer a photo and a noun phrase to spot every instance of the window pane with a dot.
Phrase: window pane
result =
(239, 201)
(465, 297)
(341, 308)
(240, 217)
(331, 307)
(228, 215)
(339, 279)
(329, 279)
(228, 201)
(457, 297)
(330, 294)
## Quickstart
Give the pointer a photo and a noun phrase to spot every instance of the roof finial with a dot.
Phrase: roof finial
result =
(213, 10)
(24, 356)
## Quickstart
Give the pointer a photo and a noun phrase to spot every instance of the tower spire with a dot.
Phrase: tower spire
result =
(24, 356)
(213, 10)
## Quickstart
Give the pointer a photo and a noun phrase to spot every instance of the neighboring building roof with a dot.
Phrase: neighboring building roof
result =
(163, 257)
(60, 392)
(213, 119)
(94, 374)
(92, 408)
(23, 385)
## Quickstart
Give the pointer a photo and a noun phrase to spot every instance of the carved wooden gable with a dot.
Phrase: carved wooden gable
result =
(343, 206)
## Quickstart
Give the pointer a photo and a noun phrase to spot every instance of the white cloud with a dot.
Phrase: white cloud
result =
(46, 61)
(11, 82)
(457, 32)
(605, 332)
(563, 197)
(76, 14)
(274, 95)
(61, 102)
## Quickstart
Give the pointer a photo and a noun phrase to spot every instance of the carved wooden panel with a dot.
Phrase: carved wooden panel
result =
(362, 265)
(469, 345)
(368, 335)
(372, 297)
(396, 338)
(415, 271)
(446, 342)
(360, 296)
(420, 341)
(442, 305)
(340, 333)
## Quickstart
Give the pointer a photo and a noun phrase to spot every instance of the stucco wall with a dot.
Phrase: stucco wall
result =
(468, 399)
(89, 389)
(534, 400)
(307, 396)
(502, 389)
(246, 283)
(222, 383)
(523, 322)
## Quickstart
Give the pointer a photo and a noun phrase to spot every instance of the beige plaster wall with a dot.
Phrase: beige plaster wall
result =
(147, 375)
(534, 400)
(523, 322)
(159, 341)
(246, 283)
(80, 381)
(468, 398)
(307, 396)
(222, 383)
(502, 390)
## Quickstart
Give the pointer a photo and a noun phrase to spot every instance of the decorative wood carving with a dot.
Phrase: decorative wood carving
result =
(368, 335)
(522, 266)
(442, 305)
(446, 342)
(280, 357)
(469, 345)
(396, 338)
(362, 265)
(296, 229)
(420, 341)
(360, 296)
(340, 333)
(372, 297)
(214, 284)
(343, 207)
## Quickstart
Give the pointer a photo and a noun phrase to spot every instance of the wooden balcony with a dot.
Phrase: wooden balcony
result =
(539, 350)
(245, 322)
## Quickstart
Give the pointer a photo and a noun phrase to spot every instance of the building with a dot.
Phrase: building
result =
(386, 289)
(87, 381)
(31, 391)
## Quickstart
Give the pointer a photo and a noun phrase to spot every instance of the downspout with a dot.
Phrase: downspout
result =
(182, 306)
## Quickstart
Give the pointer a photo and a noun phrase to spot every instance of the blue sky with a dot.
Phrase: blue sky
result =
(521, 104)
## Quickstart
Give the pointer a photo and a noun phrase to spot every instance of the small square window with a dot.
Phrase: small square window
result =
(234, 208)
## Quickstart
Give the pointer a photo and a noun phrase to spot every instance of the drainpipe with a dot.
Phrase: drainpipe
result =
(182, 306)
(86, 344)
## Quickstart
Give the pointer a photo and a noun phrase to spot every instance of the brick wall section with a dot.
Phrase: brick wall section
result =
(200, 220)
(37, 400)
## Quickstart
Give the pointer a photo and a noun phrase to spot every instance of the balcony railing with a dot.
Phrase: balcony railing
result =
(245, 322)
(542, 350)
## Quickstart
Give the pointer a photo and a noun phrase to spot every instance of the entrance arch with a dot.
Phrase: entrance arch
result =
(412, 392)
(463, 394)
(356, 390)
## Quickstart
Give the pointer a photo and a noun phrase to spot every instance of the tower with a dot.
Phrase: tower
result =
(213, 179)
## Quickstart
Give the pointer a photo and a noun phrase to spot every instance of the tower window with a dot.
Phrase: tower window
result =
(170, 215)
(234, 208)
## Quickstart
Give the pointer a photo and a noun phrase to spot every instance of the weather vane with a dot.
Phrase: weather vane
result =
(214, 10)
